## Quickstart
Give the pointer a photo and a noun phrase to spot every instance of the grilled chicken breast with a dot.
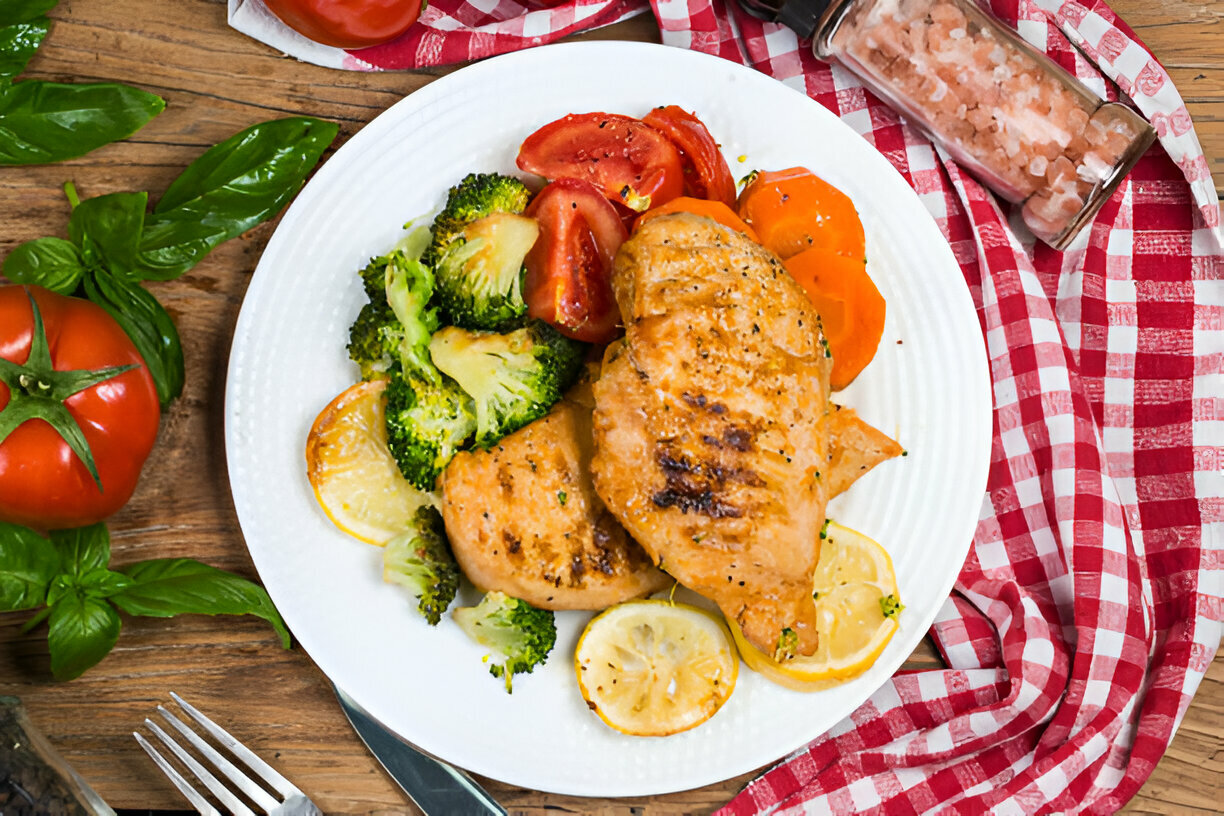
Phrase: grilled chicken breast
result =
(523, 518)
(710, 422)
(854, 449)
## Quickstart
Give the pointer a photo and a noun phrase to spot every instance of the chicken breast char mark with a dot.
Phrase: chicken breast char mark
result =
(710, 422)
(523, 518)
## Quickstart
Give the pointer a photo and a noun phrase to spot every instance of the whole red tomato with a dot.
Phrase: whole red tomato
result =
(348, 23)
(80, 370)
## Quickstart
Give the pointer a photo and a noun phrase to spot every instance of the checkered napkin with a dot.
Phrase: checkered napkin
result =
(1091, 603)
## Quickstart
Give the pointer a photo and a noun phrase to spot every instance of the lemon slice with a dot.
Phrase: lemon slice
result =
(652, 668)
(354, 476)
(857, 605)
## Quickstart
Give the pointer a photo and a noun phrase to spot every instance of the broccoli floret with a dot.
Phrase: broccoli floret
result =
(522, 634)
(393, 329)
(513, 378)
(477, 195)
(367, 346)
(479, 243)
(427, 424)
(420, 560)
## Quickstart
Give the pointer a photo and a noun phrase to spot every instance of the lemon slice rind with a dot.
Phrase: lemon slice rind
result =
(351, 470)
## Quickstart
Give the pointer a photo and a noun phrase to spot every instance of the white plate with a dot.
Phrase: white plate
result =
(928, 386)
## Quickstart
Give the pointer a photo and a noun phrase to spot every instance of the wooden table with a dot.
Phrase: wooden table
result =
(216, 82)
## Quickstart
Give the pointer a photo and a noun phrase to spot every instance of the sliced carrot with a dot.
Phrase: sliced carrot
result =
(715, 210)
(793, 210)
(851, 308)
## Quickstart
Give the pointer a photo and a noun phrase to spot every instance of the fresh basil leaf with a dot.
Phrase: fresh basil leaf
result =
(107, 229)
(83, 549)
(83, 630)
(103, 583)
(23, 11)
(146, 323)
(173, 586)
(234, 186)
(50, 262)
(18, 43)
(96, 583)
(44, 122)
(28, 564)
(61, 585)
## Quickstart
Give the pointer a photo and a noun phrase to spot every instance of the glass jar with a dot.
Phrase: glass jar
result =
(1003, 110)
(34, 779)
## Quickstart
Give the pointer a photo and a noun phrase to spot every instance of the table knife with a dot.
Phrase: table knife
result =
(437, 788)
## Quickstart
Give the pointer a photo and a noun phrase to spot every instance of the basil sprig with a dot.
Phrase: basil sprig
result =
(234, 186)
(42, 122)
(68, 579)
(115, 242)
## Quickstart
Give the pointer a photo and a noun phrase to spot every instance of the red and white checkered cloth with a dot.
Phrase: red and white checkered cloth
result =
(1092, 600)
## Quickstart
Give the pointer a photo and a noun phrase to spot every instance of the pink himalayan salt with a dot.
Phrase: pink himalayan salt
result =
(998, 108)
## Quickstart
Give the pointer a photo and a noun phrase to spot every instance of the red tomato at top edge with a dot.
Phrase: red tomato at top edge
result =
(43, 483)
(569, 269)
(629, 161)
(706, 174)
(348, 23)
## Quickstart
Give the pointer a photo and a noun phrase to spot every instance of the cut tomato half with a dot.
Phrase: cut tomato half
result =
(706, 174)
(629, 161)
(569, 269)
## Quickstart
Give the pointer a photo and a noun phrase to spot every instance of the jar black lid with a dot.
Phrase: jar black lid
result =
(802, 15)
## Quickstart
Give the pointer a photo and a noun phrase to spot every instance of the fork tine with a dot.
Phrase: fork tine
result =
(265, 771)
(231, 772)
(211, 782)
(197, 801)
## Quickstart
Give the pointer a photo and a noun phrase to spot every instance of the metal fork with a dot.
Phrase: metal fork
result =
(295, 803)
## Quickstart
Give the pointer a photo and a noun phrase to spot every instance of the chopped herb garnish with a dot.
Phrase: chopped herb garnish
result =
(788, 645)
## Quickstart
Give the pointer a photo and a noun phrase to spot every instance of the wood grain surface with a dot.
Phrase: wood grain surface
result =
(216, 82)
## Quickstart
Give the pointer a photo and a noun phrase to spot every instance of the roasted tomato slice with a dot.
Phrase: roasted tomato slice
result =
(631, 162)
(706, 174)
(569, 270)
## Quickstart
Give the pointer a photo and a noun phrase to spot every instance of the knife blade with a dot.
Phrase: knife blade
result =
(437, 788)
